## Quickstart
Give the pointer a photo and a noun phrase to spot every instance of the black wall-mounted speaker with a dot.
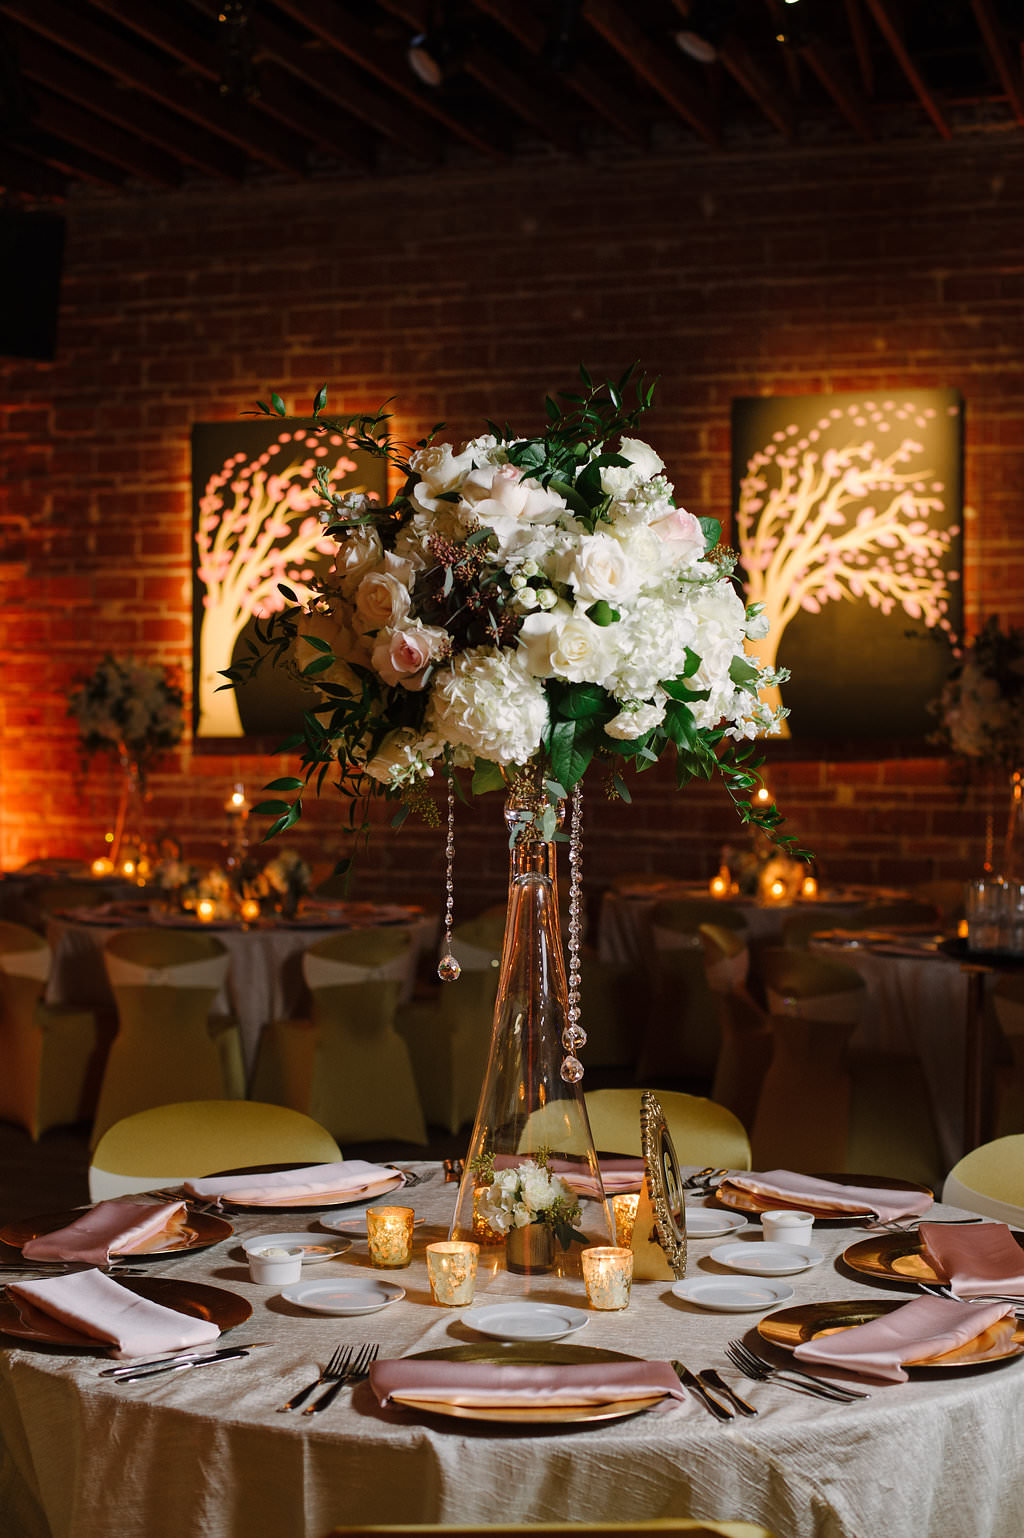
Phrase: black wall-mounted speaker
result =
(31, 262)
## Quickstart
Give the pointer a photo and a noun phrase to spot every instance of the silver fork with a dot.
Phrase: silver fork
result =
(337, 1364)
(756, 1367)
(359, 1370)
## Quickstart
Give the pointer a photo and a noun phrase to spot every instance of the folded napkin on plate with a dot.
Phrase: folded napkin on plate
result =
(792, 1188)
(346, 1178)
(114, 1227)
(95, 1305)
(500, 1384)
(618, 1176)
(976, 1261)
(918, 1331)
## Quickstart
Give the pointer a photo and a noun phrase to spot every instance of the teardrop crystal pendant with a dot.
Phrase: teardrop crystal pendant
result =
(531, 1108)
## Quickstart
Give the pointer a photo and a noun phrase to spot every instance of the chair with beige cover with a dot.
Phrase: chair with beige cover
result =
(682, 1036)
(702, 1132)
(449, 1036)
(990, 1180)
(167, 1047)
(745, 1047)
(45, 1050)
(183, 1141)
(347, 1066)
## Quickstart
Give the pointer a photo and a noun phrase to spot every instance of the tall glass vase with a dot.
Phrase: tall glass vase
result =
(526, 1109)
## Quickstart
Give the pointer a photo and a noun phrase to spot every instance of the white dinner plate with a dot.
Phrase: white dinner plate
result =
(526, 1321)
(314, 1246)
(726, 1295)
(347, 1295)
(711, 1222)
(764, 1257)
(355, 1226)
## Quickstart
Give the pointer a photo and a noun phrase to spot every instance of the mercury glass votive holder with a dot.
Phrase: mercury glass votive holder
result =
(624, 1209)
(608, 1276)
(389, 1231)
(451, 1268)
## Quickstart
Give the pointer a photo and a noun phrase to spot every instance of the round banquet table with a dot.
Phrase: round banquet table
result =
(265, 979)
(204, 1454)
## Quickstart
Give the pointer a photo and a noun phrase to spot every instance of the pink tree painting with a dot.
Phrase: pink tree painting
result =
(257, 525)
(847, 507)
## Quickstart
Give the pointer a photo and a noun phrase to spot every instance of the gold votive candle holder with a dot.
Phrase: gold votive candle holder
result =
(608, 1275)
(451, 1268)
(624, 1209)
(389, 1231)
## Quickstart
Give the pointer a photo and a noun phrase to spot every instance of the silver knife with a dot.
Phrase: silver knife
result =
(711, 1379)
(719, 1411)
(176, 1357)
(230, 1353)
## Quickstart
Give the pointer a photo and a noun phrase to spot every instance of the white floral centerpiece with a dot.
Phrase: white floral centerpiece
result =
(981, 707)
(288, 876)
(130, 709)
(535, 601)
(525, 1193)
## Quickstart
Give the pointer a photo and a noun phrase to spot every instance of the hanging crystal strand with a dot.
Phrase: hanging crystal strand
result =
(448, 968)
(574, 1036)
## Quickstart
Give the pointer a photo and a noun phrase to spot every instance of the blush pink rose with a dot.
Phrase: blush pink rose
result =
(683, 534)
(401, 656)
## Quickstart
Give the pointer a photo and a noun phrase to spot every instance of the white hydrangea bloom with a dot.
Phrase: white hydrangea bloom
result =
(487, 703)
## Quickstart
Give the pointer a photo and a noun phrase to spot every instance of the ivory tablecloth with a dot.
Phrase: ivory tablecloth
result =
(205, 1455)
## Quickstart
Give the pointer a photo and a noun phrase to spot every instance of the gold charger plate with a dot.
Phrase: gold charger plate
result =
(544, 1353)
(896, 1258)
(198, 1231)
(791, 1327)
(728, 1195)
(197, 1299)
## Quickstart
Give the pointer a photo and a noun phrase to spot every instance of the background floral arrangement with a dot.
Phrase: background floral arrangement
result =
(532, 601)
(981, 707)
(130, 709)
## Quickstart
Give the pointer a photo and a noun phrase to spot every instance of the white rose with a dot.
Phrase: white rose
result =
(357, 554)
(644, 464)
(380, 600)
(600, 567)
(538, 1191)
(500, 497)
(635, 720)
(561, 644)
(682, 536)
(440, 470)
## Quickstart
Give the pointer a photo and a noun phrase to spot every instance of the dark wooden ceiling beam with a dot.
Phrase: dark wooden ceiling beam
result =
(880, 10)
(21, 173)
(53, 70)
(354, 40)
(1001, 53)
(576, 75)
(70, 161)
(653, 65)
(110, 53)
(344, 138)
(778, 108)
(822, 61)
(64, 120)
(861, 44)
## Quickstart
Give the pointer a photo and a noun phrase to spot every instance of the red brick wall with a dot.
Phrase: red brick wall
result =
(466, 295)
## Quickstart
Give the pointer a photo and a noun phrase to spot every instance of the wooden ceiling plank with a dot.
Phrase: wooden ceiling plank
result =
(861, 44)
(652, 64)
(778, 108)
(356, 42)
(66, 121)
(136, 114)
(75, 32)
(998, 44)
(577, 76)
(880, 11)
(824, 63)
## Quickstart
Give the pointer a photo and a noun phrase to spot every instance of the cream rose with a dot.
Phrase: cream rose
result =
(560, 644)
(500, 497)
(381, 599)
(358, 553)
(600, 567)
(439, 469)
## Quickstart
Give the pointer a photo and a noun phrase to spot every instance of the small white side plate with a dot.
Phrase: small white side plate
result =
(355, 1226)
(526, 1321)
(348, 1295)
(314, 1246)
(711, 1222)
(766, 1258)
(726, 1296)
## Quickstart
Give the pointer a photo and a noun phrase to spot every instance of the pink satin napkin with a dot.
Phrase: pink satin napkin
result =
(794, 1189)
(976, 1261)
(347, 1178)
(500, 1384)
(93, 1304)
(114, 1227)
(920, 1330)
(618, 1176)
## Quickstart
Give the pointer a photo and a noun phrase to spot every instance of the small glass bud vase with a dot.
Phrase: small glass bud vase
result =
(528, 1107)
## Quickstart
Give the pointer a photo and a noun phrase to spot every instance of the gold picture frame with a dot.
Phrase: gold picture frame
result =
(664, 1182)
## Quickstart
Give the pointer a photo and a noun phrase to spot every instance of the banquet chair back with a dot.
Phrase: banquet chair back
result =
(745, 1045)
(819, 988)
(448, 1036)
(990, 1180)
(171, 1143)
(803, 1114)
(347, 1066)
(682, 1037)
(164, 983)
(45, 1051)
(702, 1132)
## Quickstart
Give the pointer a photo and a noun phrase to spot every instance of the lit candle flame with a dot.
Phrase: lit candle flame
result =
(810, 887)
(205, 909)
